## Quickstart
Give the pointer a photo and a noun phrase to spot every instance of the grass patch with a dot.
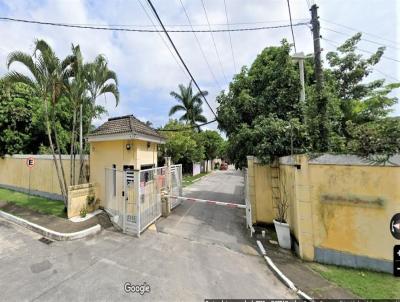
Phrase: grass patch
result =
(189, 179)
(35, 203)
(363, 283)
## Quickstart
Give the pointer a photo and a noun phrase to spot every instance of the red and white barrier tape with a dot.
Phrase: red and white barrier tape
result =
(219, 203)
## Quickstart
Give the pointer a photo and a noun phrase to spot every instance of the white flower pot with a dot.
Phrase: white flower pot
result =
(283, 232)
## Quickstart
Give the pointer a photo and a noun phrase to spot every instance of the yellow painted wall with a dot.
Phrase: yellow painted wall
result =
(334, 206)
(106, 153)
(14, 172)
(288, 191)
(344, 213)
(263, 194)
(77, 199)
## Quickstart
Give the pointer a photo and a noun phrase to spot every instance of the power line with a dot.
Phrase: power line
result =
(386, 75)
(213, 40)
(199, 44)
(230, 38)
(177, 52)
(291, 25)
(335, 44)
(364, 32)
(181, 25)
(363, 39)
(188, 128)
(162, 38)
(141, 30)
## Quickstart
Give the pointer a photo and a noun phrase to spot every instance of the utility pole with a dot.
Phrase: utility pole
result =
(317, 47)
(321, 142)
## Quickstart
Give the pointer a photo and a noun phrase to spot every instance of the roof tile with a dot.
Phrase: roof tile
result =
(125, 124)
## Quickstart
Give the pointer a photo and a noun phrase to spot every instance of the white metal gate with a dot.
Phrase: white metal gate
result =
(114, 202)
(133, 198)
(175, 185)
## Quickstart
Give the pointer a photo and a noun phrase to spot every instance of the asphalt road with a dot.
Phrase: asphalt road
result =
(200, 251)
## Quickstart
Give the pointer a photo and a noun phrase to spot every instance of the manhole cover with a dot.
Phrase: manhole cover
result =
(45, 240)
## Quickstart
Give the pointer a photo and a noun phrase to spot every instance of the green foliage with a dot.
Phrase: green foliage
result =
(376, 137)
(83, 212)
(35, 203)
(262, 115)
(181, 146)
(262, 107)
(363, 283)
(211, 141)
(17, 107)
(190, 104)
(187, 145)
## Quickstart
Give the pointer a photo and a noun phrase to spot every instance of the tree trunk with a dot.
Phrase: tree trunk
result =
(58, 148)
(47, 121)
(72, 158)
(81, 161)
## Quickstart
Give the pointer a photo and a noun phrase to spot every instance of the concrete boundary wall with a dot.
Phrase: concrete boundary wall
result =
(78, 199)
(14, 174)
(340, 206)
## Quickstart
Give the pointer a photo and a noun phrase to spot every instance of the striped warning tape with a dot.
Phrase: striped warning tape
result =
(219, 203)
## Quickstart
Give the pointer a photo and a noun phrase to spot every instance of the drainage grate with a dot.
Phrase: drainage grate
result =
(45, 240)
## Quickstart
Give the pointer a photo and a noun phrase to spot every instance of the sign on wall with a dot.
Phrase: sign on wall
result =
(30, 162)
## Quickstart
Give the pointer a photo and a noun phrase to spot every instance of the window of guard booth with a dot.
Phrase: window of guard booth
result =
(148, 175)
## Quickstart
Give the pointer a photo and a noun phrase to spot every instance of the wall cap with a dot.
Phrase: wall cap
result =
(43, 156)
(349, 159)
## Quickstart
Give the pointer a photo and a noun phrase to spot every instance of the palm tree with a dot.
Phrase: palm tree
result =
(76, 90)
(190, 104)
(46, 77)
(99, 80)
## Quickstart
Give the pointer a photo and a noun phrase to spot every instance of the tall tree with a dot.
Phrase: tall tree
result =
(212, 141)
(18, 106)
(75, 90)
(99, 80)
(46, 77)
(261, 113)
(190, 104)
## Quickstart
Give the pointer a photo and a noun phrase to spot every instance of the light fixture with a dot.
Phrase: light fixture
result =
(148, 145)
(128, 147)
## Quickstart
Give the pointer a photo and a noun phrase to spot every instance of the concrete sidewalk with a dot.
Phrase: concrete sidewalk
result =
(300, 272)
(51, 222)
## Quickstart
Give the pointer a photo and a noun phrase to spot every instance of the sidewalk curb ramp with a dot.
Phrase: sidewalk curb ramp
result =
(281, 276)
(50, 233)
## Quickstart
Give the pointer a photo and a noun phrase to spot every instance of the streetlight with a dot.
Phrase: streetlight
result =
(299, 56)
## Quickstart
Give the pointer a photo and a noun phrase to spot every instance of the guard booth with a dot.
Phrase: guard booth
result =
(123, 166)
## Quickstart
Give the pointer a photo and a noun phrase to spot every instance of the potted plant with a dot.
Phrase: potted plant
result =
(281, 226)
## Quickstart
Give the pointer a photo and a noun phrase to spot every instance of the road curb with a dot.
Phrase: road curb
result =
(280, 275)
(50, 233)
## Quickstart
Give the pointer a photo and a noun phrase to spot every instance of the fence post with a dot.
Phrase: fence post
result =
(166, 201)
(251, 187)
(180, 180)
(137, 198)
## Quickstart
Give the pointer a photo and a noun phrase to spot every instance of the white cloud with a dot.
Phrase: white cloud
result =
(147, 72)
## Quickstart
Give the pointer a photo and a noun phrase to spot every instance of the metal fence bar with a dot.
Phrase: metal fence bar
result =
(137, 197)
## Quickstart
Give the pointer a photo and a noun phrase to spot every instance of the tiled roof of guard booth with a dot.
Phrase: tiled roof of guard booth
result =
(125, 124)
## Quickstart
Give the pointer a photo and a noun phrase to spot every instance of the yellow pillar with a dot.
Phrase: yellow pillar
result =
(304, 209)
(251, 188)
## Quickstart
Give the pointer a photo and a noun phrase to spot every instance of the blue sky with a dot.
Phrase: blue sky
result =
(146, 69)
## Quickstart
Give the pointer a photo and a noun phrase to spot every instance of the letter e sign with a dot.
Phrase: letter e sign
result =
(30, 162)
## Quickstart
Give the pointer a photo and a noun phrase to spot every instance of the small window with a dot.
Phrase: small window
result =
(114, 180)
(148, 175)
